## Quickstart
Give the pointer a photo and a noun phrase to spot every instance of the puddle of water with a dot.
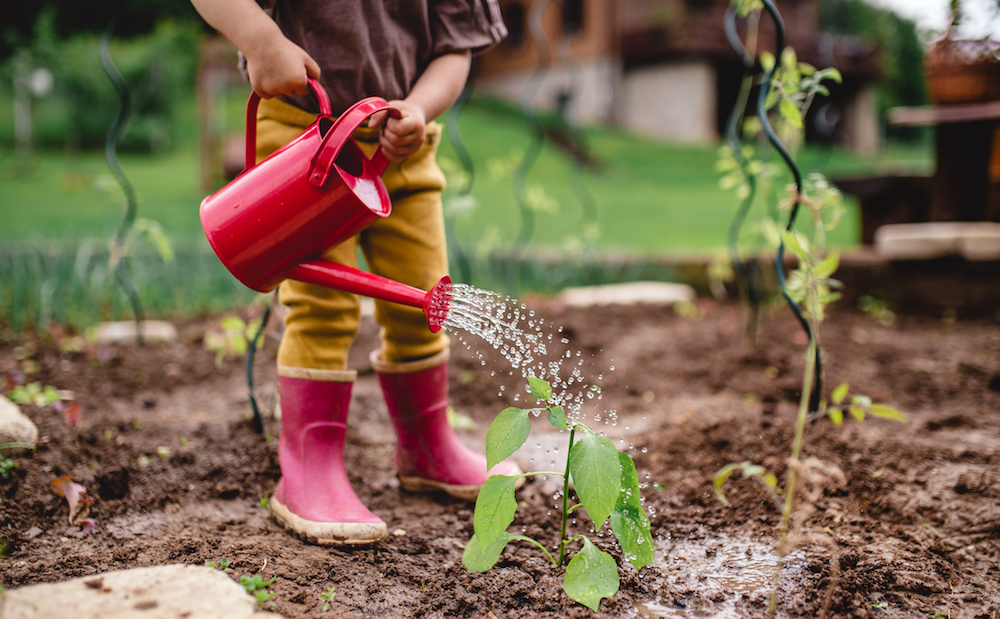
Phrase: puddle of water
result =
(716, 572)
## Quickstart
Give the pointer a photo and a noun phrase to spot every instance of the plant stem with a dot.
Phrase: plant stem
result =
(793, 464)
(565, 507)
(537, 543)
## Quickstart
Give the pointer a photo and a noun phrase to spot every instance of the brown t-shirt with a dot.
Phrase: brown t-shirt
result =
(380, 47)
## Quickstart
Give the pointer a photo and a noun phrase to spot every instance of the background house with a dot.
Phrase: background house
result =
(663, 67)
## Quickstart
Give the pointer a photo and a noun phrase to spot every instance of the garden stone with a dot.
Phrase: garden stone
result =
(162, 592)
(124, 332)
(657, 293)
(974, 241)
(15, 427)
(980, 242)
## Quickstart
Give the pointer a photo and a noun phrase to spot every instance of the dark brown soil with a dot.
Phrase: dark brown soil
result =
(178, 473)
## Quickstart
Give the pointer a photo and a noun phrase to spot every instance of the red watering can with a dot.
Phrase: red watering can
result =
(275, 220)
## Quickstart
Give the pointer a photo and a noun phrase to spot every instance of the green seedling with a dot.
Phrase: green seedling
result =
(604, 481)
(265, 502)
(221, 565)
(34, 393)
(877, 309)
(233, 340)
(789, 87)
(257, 587)
(327, 599)
(6, 466)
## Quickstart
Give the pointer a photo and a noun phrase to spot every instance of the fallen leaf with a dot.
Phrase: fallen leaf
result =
(79, 505)
(71, 412)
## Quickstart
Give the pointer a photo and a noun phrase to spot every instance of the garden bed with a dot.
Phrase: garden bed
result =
(178, 473)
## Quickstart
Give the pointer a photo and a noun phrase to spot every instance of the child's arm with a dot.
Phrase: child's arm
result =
(276, 65)
(436, 89)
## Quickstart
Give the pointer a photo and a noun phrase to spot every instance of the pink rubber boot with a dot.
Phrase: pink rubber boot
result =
(429, 456)
(314, 498)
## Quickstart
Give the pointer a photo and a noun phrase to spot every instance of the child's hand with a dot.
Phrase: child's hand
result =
(277, 66)
(404, 136)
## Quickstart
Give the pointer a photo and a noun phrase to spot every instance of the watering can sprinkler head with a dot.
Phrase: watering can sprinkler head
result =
(275, 220)
(437, 304)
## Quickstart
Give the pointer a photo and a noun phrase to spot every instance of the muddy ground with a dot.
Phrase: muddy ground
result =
(178, 473)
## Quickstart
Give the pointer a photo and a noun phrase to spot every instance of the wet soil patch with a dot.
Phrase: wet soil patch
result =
(178, 474)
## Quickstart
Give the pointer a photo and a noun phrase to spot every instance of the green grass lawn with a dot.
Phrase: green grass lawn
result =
(650, 197)
(60, 213)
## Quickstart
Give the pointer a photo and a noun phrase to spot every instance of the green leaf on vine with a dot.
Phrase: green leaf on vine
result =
(591, 576)
(495, 508)
(596, 473)
(629, 520)
(539, 388)
(506, 435)
(479, 557)
(557, 417)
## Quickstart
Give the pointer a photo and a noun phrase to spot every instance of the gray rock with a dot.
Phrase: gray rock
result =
(974, 241)
(124, 332)
(162, 592)
(657, 293)
(15, 427)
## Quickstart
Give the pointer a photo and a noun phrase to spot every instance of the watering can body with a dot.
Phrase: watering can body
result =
(276, 219)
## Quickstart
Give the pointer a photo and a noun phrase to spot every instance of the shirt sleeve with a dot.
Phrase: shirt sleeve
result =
(458, 25)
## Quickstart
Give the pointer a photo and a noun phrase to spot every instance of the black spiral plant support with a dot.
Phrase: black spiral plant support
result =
(747, 283)
(119, 256)
(465, 159)
(779, 26)
(258, 419)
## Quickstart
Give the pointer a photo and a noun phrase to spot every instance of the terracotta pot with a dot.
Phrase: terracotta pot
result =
(962, 72)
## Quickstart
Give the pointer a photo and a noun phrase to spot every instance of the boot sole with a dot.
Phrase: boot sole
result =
(464, 492)
(328, 533)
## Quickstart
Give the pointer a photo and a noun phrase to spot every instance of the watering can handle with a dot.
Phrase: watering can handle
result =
(254, 101)
(341, 131)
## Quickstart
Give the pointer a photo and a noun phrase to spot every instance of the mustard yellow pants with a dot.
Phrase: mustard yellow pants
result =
(408, 246)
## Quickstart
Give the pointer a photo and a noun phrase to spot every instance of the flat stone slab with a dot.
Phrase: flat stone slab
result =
(15, 427)
(124, 332)
(162, 592)
(974, 241)
(655, 293)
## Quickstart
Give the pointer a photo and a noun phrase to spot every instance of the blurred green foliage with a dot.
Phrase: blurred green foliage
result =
(71, 17)
(160, 68)
(902, 80)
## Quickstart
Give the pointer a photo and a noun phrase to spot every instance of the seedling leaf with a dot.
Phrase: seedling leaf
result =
(629, 520)
(495, 508)
(539, 388)
(794, 243)
(506, 435)
(887, 412)
(596, 473)
(591, 576)
(839, 393)
(791, 113)
(720, 480)
(828, 266)
(480, 558)
(836, 416)
(557, 417)
(857, 412)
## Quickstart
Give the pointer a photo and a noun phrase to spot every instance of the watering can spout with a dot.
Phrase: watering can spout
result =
(435, 303)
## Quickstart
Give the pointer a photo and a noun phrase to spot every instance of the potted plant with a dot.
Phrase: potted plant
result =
(960, 69)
